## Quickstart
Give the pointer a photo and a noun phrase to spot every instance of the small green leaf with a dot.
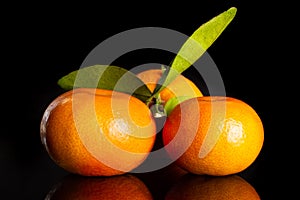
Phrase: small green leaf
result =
(106, 77)
(195, 46)
(173, 102)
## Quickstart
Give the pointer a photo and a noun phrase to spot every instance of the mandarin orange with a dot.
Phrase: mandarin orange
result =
(181, 86)
(213, 135)
(97, 132)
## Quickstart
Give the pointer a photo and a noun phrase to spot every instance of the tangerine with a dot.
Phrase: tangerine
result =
(96, 132)
(181, 86)
(213, 135)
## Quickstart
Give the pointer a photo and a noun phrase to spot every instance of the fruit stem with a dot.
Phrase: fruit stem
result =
(157, 107)
(158, 111)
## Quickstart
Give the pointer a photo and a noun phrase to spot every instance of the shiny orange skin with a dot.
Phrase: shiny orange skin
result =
(181, 86)
(95, 132)
(214, 135)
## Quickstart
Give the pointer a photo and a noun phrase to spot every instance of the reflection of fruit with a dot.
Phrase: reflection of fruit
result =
(97, 132)
(181, 86)
(160, 181)
(207, 187)
(88, 188)
(225, 135)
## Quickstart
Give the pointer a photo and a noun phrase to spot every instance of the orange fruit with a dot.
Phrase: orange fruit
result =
(97, 132)
(181, 86)
(90, 188)
(212, 187)
(213, 135)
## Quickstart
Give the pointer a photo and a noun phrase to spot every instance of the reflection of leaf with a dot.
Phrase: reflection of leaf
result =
(173, 102)
(106, 77)
(195, 46)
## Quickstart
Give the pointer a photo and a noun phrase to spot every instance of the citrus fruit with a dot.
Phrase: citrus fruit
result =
(96, 132)
(212, 187)
(181, 86)
(213, 135)
(89, 188)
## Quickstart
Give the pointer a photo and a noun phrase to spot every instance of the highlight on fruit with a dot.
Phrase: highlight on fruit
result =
(104, 124)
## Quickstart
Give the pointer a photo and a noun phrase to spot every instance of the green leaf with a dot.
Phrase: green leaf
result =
(106, 77)
(195, 46)
(173, 102)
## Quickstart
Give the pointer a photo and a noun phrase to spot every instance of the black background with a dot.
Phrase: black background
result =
(46, 42)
